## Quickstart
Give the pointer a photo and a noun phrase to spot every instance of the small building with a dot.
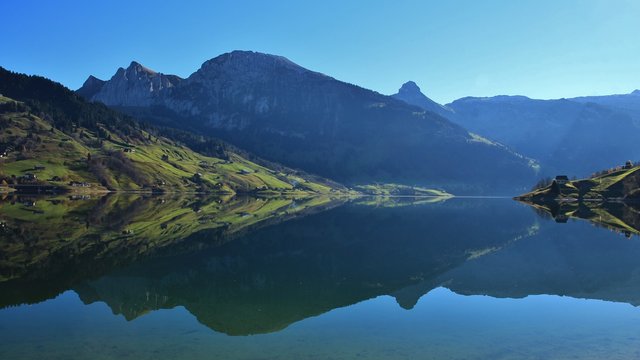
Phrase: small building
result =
(39, 167)
(30, 176)
(628, 165)
(129, 150)
(561, 179)
(245, 171)
(79, 184)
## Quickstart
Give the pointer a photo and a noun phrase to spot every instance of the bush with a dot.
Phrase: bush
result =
(542, 183)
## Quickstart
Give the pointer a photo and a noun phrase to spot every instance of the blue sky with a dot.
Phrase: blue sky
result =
(542, 49)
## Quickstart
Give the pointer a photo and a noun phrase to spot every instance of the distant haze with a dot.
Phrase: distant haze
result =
(542, 49)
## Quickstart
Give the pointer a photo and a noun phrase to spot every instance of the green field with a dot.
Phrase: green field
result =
(114, 163)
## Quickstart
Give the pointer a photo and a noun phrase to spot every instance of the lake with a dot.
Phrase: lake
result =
(141, 277)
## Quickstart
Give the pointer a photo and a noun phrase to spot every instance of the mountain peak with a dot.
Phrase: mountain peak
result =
(136, 85)
(137, 67)
(248, 64)
(410, 87)
(91, 80)
(91, 87)
(410, 93)
(635, 92)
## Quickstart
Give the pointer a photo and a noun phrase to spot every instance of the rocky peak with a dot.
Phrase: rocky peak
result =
(136, 85)
(410, 93)
(250, 66)
(139, 68)
(635, 92)
(91, 87)
(410, 88)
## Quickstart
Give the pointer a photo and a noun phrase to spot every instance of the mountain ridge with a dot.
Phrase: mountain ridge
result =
(53, 138)
(305, 119)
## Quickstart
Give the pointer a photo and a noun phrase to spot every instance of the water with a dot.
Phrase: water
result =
(176, 278)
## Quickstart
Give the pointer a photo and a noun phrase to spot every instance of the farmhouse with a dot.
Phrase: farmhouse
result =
(561, 179)
(79, 184)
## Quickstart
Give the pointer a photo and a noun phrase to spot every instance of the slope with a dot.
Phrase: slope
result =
(286, 113)
(53, 137)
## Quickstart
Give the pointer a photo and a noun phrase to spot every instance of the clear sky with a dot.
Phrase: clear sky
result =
(539, 48)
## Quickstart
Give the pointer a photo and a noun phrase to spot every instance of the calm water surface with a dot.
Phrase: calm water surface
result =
(460, 279)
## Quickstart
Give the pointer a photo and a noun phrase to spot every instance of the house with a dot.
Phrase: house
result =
(29, 176)
(39, 167)
(628, 165)
(245, 171)
(79, 184)
(561, 179)
(129, 150)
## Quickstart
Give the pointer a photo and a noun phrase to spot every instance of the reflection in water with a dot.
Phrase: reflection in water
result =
(620, 217)
(49, 244)
(282, 274)
(240, 269)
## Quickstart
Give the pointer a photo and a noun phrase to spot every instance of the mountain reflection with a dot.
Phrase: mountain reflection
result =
(240, 269)
(620, 217)
(47, 245)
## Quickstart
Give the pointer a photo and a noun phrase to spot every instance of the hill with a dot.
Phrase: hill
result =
(52, 137)
(307, 120)
(618, 184)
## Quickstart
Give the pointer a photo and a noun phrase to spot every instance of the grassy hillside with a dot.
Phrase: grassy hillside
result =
(621, 183)
(610, 199)
(106, 160)
(399, 190)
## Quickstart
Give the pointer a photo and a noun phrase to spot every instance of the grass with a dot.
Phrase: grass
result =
(158, 163)
(615, 185)
(399, 190)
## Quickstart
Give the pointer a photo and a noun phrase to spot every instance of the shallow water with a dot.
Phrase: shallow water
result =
(461, 279)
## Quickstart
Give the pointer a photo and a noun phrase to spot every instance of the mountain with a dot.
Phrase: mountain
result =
(91, 86)
(133, 86)
(304, 119)
(411, 94)
(564, 135)
(628, 104)
(51, 137)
